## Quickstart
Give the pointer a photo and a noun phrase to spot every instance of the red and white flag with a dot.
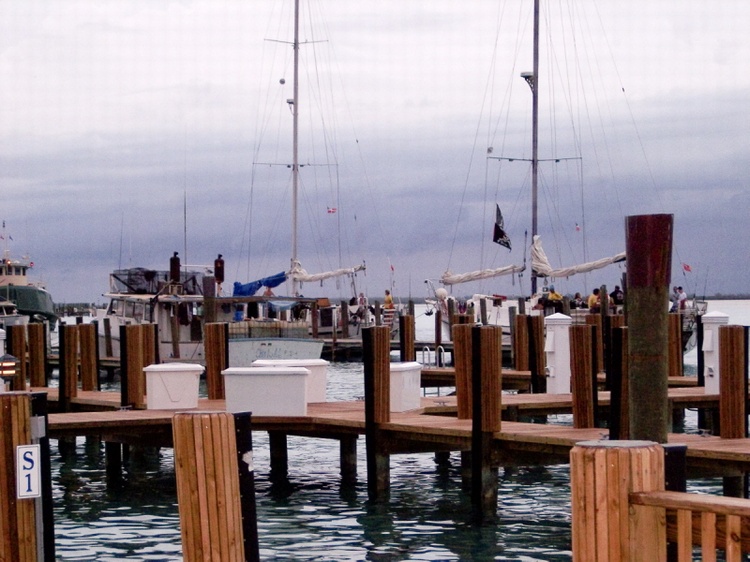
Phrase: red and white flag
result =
(686, 267)
(331, 210)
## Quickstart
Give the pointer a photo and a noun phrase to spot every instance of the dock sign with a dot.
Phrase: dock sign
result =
(28, 473)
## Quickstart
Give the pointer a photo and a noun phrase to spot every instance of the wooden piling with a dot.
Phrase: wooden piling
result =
(649, 258)
(89, 368)
(133, 380)
(605, 528)
(109, 349)
(733, 385)
(376, 353)
(487, 383)
(583, 375)
(597, 321)
(462, 350)
(438, 337)
(18, 539)
(208, 492)
(16, 346)
(536, 354)
(37, 355)
(216, 355)
(619, 418)
(68, 370)
(521, 342)
(406, 335)
(674, 346)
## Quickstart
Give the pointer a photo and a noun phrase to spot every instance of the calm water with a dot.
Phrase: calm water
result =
(312, 516)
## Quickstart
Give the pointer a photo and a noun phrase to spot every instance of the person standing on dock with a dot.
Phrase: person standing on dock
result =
(388, 300)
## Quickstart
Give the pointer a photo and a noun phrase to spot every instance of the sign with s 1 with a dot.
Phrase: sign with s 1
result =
(28, 472)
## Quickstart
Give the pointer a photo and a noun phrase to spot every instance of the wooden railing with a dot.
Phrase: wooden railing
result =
(710, 522)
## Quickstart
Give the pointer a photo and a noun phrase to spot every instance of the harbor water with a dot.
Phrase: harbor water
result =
(311, 515)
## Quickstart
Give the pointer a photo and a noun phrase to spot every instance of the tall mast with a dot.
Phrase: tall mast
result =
(295, 156)
(535, 135)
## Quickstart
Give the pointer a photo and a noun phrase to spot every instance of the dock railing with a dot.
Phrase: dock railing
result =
(622, 513)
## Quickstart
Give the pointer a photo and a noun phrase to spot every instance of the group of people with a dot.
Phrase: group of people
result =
(594, 301)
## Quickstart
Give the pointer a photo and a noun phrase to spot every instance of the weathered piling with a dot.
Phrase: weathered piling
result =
(132, 362)
(406, 335)
(619, 413)
(216, 353)
(89, 357)
(521, 342)
(596, 320)
(18, 540)
(376, 352)
(536, 354)
(674, 345)
(37, 354)
(68, 370)
(649, 258)
(487, 385)
(208, 494)
(733, 384)
(583, 375)
(605, 527)
(462, 350)
(16, 346)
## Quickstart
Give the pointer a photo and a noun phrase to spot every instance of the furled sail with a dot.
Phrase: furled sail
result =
(301, 276)
(449, 278)
(541, 267)
(249, 289)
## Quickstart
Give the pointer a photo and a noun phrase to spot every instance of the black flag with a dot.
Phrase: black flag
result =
(499, 236)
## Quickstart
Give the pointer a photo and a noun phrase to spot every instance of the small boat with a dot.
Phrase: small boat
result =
(177, 301)
(9, 315)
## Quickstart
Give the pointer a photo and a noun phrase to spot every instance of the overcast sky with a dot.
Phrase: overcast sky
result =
(132, 129)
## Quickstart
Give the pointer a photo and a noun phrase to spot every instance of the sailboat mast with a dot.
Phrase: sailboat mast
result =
(535, 135)
(295, 155)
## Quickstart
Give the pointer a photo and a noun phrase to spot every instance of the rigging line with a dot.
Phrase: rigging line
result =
(472, 152)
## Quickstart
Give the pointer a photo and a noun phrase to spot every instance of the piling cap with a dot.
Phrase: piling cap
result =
(557, 319)
(616, 443)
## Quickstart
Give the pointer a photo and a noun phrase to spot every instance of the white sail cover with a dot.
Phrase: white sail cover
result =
(299, 274)
(449, 278)
(541, 267)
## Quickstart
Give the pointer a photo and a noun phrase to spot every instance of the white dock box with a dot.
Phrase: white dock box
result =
(405, 386)
(266, 391)
(316, 382)
(172, 386)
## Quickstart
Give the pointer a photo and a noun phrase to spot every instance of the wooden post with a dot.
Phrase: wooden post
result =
(208, 494)
(619, 419)
(18, 539)
(649, 258)
(438, 337)
(68, 374)
(315, 314)
(674, 347)
(486, 342)
(344, 307)
(733, 382)
(108, 347)
(16, 346)
(133, 381)
(209, 299)
(215, 350)
(605, 526)
(37, 355)
(376, 351)
(89, 369)
(348, 459)
(406, 331)
(536, 354)
(483, 311)
(149, 339)
(596, 321)
(462, 350)
(521, 343)
(582, 373)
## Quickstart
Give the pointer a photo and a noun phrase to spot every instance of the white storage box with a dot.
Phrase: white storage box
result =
(316, 382)
(172, 386)
(405, 386)
(266, 391)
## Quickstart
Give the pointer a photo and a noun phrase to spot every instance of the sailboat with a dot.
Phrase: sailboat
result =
(493, 306)
(328, 319)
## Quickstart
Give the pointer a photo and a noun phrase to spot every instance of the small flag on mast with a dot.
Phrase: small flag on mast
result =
(331, 210)
(686, 267)
(499, 236)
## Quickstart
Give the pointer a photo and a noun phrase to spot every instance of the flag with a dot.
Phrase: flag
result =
(499, 236)
(686, 267)
(578, 228)
(331, 210)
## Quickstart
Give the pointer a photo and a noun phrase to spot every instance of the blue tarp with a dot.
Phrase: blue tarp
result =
(249, 289)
